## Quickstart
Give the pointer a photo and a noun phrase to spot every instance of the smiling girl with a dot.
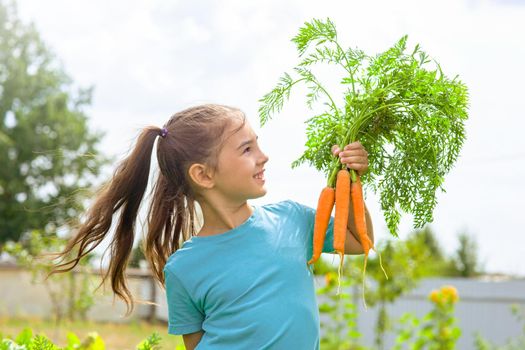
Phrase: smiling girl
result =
(241, 281)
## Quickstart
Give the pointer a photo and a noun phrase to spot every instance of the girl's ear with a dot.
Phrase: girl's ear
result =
(201, 176)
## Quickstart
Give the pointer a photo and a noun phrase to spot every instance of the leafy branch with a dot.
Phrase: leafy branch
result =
(409, 117)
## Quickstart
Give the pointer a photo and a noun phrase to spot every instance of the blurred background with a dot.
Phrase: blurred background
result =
(79, 79)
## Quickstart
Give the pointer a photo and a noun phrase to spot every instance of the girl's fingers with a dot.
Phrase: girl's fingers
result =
(352, 149)
(360, 168)
(354, 156)
(354, 146)
(354, 159)
(354, 152)
(357, 163)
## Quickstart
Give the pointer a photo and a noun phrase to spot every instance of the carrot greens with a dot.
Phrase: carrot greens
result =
(399, 104)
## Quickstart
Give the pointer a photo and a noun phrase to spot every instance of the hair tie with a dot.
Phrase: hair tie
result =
(163, 132)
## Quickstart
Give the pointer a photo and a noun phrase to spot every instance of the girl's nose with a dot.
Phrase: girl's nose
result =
(264, 158)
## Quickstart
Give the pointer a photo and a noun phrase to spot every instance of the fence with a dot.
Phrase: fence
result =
(484, 306)
(20, 297)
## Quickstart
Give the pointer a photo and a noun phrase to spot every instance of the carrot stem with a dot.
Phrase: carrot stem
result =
(380, 262)
(363, 277)
(339, 273)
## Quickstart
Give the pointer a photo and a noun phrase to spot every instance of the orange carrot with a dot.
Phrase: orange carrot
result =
(342, 205)
(356, 191)
(325, 205)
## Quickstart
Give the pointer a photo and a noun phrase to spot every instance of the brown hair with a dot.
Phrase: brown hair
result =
(194, 135)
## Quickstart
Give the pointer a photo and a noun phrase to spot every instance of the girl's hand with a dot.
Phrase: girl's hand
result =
(354, 156)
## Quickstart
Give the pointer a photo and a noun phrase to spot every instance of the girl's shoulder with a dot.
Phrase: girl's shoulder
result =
(289, 216)
(284, 205)
(179, 257)
(169, 262)
(288, 207)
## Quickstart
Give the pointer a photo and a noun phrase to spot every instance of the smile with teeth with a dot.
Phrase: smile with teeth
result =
(260, 175)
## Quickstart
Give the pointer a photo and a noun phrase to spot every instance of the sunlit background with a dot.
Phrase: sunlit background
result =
(147, 59)
(150, 59)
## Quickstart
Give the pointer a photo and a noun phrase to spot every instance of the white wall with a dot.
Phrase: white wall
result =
(20, 297)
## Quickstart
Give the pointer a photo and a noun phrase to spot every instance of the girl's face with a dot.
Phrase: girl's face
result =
(240, 174)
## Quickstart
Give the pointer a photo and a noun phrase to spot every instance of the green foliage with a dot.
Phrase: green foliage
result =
(137, 254)
(26, 341)
(151, 343)
(47, 152)
(466, 260)
(322, 267)
(73, 342)
(420, 253)
(406, 262)
(517, 343)
(407, 114)
(70, 293)
(341, 332)
(417, 256)
(436, 330)
(93, 342)
(25, 336)
(40, 342)
(8, 344)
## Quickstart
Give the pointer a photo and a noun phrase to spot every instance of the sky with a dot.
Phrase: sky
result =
(148, 59)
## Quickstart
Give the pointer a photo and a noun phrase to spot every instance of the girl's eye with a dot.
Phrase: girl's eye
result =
(247, 149)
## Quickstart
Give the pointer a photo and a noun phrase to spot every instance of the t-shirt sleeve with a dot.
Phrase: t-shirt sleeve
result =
(183, 315)
(308, 215)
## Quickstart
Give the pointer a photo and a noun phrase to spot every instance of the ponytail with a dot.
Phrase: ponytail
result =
(194, 135)
(171, 221)
(122, 194)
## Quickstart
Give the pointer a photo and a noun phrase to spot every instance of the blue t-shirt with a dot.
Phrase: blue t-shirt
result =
(250, 287)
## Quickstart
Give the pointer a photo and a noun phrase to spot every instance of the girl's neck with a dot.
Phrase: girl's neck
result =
(222, 218)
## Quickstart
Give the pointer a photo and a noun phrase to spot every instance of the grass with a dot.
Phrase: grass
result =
(116, 336)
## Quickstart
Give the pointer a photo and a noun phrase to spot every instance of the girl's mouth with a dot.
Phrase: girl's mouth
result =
(259, 175)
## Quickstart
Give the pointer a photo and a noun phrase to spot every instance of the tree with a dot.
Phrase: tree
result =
(465, 259)
(137, 254)
(47, 152)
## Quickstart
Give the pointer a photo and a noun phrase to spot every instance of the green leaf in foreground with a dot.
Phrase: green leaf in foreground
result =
(150, 343)
(403, 109)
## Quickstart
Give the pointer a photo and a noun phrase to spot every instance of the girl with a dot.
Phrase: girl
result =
(240, 281)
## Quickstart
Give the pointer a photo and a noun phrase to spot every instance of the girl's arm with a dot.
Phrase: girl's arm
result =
(352, 245)
(355, 157)
(192, 339)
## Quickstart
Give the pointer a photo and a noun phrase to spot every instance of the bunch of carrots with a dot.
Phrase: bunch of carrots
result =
(347, 188)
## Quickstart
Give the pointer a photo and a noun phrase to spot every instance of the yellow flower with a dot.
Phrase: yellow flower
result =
(329, 278)
(434, 296)
(450, 293)
(445, 295)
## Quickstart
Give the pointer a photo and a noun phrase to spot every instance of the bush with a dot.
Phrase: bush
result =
(27, 341)
(435, 331)
(342, 314)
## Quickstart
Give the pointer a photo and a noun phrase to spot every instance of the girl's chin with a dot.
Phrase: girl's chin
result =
(261, 193)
